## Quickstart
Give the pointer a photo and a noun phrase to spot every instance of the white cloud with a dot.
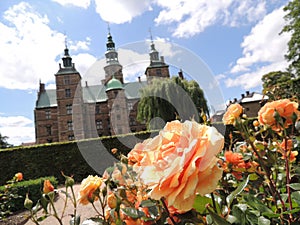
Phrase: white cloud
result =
(193, 16)
(263, 51)
(18, 129)
(79, 3)
(120, 11)
(29, 48)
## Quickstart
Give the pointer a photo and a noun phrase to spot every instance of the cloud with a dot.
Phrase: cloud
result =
(18, 129)
(263, 51)
(193, 16)
(79, 3)
(120, 11)
(30, 48)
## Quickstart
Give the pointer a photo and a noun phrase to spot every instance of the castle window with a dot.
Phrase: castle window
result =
(67, 80)
(158, 72)
(69, 109)
(71, 137)
(97, 109)
(118, 117)
(68, 93)
(117, 107)
(48, 114)
(99, 124)
(48, 130)
(130, 106)
(132, 121)
(70, 125)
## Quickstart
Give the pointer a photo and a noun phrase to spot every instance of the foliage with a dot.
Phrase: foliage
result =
(14, 192)
(170, 99)
(278, 85)
(51, 159)
(293, 26)
(4, 143)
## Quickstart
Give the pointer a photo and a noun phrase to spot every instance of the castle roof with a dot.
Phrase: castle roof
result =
(91, 94)
(114, 84)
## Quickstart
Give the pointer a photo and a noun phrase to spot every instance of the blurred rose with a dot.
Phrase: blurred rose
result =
(19, 176)
(180, 162)
(112, 201)
(285, 148)
(232, 112)
(284, 108)
(48, 187)
(87, 188)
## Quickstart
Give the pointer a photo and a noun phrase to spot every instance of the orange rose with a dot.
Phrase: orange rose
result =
(180, 162)
(233, 112)
(48, 187)
(19, 176)
(87, 188)
(284, 108)
(285, 148)
(233, 158)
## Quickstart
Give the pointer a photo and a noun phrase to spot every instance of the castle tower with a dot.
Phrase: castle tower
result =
(69, 100)
(117, 104)
(157, 68)
(113, 67)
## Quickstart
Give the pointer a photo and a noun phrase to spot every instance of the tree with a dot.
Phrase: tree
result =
(278, 85)
(170, 99)
(293, 26)
(3, 142)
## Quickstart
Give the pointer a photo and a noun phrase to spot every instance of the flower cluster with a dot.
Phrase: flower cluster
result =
(184, 175)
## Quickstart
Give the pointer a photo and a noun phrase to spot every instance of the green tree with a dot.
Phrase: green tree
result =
(169, 99)
(278, 85)
(3, 142)
(293, 26)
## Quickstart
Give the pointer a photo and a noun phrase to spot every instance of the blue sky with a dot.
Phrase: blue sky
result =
(236, 42)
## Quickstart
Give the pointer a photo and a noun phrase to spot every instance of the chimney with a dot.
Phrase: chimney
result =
(86, 83)
(162, 59)
(180, 74)
(247, 93)
(235, 100)
(243, 95)
(139, 79)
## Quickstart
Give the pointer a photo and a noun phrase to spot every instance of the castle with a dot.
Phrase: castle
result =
(75, 111)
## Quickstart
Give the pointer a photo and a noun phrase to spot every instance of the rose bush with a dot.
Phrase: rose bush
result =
(184, 176)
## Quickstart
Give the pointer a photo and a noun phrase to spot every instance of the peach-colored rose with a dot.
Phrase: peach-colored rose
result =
(180, 162)
(48, 187)
(87, 188)
(232, 112)
(19, 176)
(233, 158)
(285, 109)
(285, 148)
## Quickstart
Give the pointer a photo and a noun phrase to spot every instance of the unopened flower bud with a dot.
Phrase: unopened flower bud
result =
(255, 123)
(112, 201)
(28, 203)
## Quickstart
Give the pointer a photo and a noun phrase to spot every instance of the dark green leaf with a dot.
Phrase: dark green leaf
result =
(201, 202)
(218, 220)
(133, 213)
(295, 186)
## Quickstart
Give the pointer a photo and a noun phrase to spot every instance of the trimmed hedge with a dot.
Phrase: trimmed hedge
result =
(33, 187)
(52, 159)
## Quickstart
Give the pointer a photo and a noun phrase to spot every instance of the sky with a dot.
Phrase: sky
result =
(226, 45)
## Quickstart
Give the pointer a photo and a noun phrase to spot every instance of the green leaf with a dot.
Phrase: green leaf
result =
(200, 203)
(296, 197)
(295, 186)
(218, 220)
(237, 191)
(263, 221)
(147, 203)
(133, 213)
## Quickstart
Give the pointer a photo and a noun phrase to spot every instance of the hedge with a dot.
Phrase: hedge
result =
(68, 157)
(32, 187)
